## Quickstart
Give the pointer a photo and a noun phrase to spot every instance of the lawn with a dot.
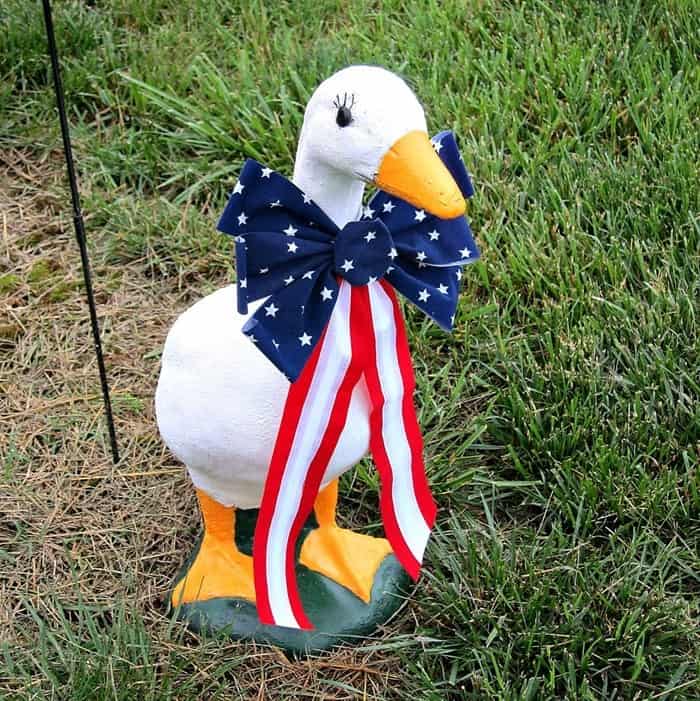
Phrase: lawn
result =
(561, 419)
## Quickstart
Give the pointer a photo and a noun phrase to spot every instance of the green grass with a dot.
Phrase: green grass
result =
(562, 419)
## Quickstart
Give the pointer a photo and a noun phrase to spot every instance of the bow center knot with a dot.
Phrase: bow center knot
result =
(363, 251)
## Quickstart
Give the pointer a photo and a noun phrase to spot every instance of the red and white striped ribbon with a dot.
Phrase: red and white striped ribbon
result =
(365, 336)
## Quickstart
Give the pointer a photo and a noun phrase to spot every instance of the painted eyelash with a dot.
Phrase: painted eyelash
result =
(338, 104)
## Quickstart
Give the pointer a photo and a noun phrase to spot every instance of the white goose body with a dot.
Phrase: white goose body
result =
(219, 401)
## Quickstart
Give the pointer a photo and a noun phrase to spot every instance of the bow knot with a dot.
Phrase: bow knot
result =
(362, 251)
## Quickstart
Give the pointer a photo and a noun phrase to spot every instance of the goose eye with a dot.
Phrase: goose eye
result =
(344, 116)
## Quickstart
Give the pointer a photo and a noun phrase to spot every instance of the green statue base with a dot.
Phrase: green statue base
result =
(337, 614)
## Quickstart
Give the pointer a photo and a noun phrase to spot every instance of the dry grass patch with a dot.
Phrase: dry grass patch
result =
(69, 516)
(78, 534)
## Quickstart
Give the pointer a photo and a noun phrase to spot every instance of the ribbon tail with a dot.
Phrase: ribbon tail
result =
(314, 417)
(408, 509)
(241, 281)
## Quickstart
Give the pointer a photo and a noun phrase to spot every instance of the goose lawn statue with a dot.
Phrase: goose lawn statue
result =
(271, 389)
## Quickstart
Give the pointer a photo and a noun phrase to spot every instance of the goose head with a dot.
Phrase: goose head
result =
(364, 125)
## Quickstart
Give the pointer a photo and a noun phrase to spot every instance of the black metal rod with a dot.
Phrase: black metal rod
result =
(80, 227)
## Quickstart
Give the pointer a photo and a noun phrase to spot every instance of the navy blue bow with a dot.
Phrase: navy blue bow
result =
(290, 251)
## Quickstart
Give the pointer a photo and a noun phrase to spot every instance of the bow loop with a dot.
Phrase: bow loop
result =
(421, 237)
(290, 322)
(362, 251)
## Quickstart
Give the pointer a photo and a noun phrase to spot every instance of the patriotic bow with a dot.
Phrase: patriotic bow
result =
(330, 318)
(287, 248)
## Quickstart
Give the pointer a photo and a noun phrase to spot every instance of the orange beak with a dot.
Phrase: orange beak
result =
(412, 170)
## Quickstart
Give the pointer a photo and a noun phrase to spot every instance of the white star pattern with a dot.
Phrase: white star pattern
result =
(437, 145)
(283, 222)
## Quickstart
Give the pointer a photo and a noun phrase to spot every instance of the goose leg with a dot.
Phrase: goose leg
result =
(219, 569)
(349, 558)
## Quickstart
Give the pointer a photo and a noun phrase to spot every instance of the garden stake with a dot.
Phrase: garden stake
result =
(79, 227)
